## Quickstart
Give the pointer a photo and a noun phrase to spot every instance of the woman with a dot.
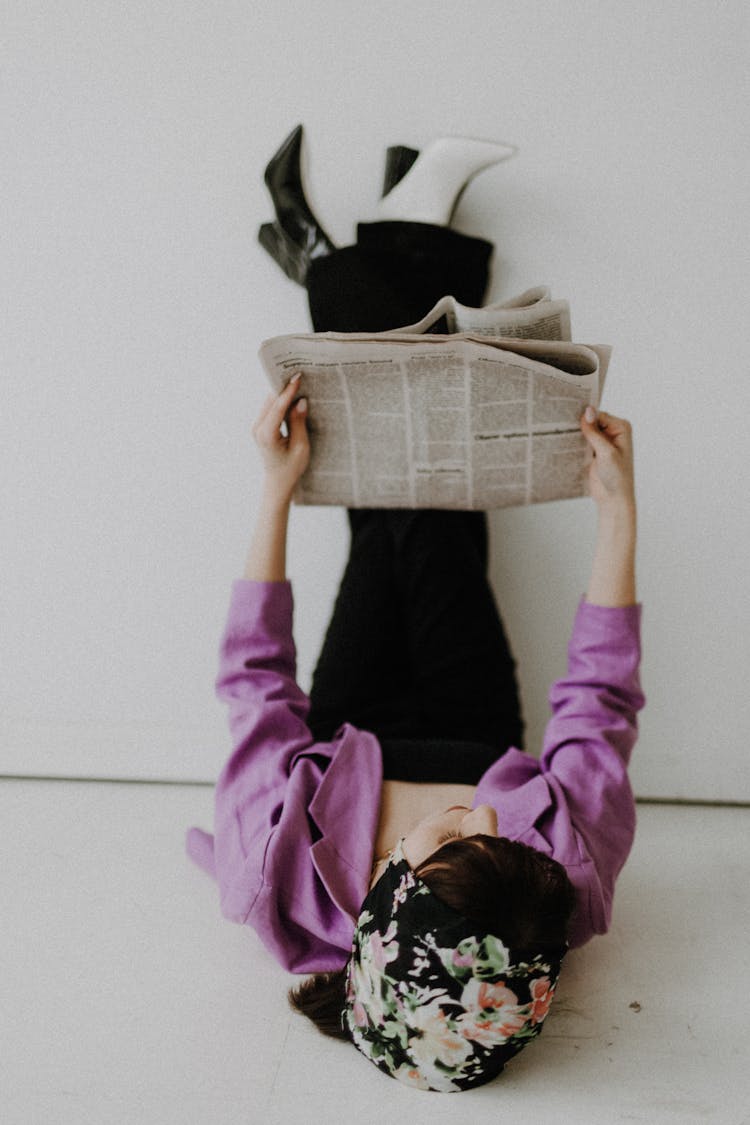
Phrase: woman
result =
(386, 833)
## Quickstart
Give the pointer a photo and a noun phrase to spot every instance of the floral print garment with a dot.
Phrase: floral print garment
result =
(429, 1000)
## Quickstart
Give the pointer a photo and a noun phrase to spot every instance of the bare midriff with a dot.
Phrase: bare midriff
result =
(404, 803)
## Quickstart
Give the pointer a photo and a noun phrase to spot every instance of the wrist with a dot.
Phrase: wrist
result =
(617, 511)
(275, 497)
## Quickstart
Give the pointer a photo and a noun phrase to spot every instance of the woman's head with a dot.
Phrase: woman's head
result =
(454, 965)
(455, 955)
(515, 892)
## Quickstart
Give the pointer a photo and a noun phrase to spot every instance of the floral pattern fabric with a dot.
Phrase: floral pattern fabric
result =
(431, 1001)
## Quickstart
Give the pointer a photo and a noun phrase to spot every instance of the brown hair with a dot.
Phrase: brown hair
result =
(515, 892)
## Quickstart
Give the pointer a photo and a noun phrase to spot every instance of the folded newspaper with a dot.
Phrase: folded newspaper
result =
(472, 408)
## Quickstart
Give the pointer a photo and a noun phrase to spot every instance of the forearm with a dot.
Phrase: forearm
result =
(266, 560)
(613, 569)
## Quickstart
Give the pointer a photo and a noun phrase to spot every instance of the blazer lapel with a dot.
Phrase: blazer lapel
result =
(346, 808)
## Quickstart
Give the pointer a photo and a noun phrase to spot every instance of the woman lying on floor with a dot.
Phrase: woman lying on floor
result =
(387, 834)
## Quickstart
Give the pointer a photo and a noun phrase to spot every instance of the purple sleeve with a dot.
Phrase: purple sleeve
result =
(588, 743)
(294, 819)
(267, 718)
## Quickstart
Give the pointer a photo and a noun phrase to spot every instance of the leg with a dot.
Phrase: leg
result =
(463, 669)
(394, 275)
(363, 675)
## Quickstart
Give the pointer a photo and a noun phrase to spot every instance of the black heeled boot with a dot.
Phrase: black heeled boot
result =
(296, 238)
(281, 239)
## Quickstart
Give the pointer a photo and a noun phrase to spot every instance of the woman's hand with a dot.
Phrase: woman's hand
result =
(285, 458)
(611, 481)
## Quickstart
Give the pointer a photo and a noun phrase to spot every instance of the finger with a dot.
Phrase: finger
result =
(612, 425)
(298, 414)
(618, 432)
(271, 424)
(297, 422)
(287, 393)
(590, 428)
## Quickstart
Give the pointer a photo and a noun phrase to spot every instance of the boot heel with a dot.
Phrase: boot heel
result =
(298, 230)
(284, 252)
(398, 161)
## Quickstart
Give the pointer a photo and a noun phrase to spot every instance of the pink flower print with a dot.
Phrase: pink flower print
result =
(484, 1032)
(495, 996)
(541, 998)
(359, 1014)
(463, 960)
(382, 953)
(406, 882)
(435, 1039)
(411, 1076)
(491, 1004)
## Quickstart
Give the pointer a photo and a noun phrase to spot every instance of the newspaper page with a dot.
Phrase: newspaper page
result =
(434, 421)
(532, 315)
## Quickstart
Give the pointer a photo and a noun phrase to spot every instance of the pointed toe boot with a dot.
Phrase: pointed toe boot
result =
(294, 216)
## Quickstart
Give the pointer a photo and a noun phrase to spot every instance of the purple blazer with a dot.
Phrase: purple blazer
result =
(295, 820)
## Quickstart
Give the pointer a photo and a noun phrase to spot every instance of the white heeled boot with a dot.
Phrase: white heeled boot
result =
(431, 189)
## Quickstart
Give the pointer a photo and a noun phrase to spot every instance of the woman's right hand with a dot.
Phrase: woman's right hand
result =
(285, 456)
(611, 478)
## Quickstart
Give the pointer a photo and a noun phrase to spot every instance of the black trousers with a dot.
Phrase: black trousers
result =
(393, 276)
(416, 651)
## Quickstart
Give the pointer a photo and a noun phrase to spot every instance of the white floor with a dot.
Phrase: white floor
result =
(126, 998)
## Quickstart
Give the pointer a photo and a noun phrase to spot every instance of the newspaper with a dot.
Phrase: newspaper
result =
(415, 418)
(533, 315)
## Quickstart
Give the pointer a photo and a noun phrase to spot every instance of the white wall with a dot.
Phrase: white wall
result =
(136, 136)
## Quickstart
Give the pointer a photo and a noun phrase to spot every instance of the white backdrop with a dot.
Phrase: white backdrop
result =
(135, 139)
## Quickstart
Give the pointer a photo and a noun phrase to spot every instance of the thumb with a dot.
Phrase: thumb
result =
(297, 422)
(591, 431)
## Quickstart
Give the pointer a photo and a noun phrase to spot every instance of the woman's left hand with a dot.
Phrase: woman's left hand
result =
(285, 458)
